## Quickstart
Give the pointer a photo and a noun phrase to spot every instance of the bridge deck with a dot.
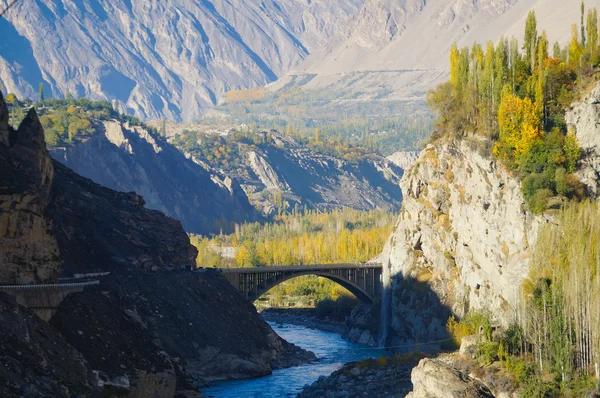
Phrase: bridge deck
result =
(307, 267)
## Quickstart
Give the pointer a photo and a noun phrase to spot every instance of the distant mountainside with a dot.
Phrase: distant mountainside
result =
(393, 51)
(159, 59)
(280, 173)
(129, 158)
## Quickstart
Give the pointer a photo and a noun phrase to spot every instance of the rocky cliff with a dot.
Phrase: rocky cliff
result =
(462, 240)
(129, 158)
(583, 118)
(28, 249)
(160, 60)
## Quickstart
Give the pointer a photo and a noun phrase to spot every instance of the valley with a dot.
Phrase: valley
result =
(308, 198)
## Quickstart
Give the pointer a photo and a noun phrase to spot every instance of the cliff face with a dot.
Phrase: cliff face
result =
(128, 158)
(28, 250)
(462, 240)
(583, 117)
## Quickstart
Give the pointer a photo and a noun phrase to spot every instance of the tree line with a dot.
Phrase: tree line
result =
(516, 95)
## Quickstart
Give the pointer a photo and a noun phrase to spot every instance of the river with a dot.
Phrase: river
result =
(330, 348)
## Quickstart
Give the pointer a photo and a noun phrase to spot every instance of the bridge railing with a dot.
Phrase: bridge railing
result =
(288, 268)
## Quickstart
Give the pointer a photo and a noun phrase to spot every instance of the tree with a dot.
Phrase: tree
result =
(11, 98)
(582, 24)
(41, 92)
(556, 51)
(531, 36)
(574, 48)
(454, 65)
(519, 127)
(592, 32)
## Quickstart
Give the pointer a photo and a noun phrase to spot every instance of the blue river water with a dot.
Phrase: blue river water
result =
(330, 348)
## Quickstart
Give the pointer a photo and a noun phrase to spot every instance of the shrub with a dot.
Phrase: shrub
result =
(488, 352)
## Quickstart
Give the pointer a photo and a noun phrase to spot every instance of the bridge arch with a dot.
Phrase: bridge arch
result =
(362, 280)
(356, 290)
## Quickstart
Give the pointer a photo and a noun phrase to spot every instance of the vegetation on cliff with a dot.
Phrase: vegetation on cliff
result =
(516, 96)
(66, 120)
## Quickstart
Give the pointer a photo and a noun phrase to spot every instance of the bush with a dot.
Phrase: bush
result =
(471, 324)
(488, 352)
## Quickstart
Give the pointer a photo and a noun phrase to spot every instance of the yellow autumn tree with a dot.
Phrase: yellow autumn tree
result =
(519, 127)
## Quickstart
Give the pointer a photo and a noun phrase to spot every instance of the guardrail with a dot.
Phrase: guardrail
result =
(57, 286)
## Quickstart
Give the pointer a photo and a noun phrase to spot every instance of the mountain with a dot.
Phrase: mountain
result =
(129, 158)
(160, 60)
(279, 172)
(394, 51)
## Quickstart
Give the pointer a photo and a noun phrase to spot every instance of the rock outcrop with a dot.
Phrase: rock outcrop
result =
(131, 159)
(28, 250)
(434, 378)
(583, 118)
(461, 242)
(101, 230)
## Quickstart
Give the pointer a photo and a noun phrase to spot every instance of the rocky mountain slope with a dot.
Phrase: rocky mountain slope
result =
(464, 238)
(392, 52)
(169, 324)
(305, 176)
(462, 234)
(129, 158)
(160, 59)
(36, 358)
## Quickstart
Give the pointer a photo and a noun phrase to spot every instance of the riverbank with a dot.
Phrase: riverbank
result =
(331, 350)
(361, 326)
(364, 379)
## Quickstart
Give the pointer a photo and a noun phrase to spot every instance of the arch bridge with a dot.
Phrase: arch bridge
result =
(364, 280)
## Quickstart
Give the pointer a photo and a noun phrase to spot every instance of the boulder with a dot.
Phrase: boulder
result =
(434, 378)
(469, 346)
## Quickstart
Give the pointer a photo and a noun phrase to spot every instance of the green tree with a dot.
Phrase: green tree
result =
(41, 92)
(531, 36)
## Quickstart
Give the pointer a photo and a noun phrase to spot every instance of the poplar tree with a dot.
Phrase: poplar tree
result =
(531, 37)
(515, 57)
(582, 24)
(592, 31)
(574, 48)
(454, 61)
